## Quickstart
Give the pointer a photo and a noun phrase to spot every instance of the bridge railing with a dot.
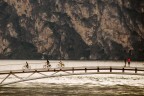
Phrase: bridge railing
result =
(67, 71)
(109, 69)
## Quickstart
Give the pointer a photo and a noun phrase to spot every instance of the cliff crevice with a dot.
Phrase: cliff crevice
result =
(71, 29)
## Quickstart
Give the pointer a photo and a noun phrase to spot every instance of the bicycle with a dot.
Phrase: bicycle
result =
(60, 65)
(26, 66)
(46, 66)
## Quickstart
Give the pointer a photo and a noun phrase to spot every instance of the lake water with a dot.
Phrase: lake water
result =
(80, 85)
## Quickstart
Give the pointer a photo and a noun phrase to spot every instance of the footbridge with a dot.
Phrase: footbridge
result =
(20, 75)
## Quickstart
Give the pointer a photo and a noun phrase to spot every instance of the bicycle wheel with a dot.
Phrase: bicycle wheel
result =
(44, 66)
(24, 67)
(49, 66)
(58, 65)
(63, 65)
(29, 67)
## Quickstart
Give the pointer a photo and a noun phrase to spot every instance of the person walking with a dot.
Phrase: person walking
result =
(125, 61)
(129, 60)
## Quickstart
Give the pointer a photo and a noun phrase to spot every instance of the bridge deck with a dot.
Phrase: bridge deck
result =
(69, 71)
(96, 68)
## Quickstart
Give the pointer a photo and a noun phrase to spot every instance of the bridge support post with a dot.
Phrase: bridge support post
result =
(85, 70)
(110, 69)
(97, 69)
(135, 70)
(5, 78)
(123, 70)
(73, 70)
(17, 76)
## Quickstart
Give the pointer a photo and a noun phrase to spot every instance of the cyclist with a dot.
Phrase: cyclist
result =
(27, 65)
(61, 64)
(47, 65)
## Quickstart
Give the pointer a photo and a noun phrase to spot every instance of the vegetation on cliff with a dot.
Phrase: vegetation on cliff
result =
(72, 29)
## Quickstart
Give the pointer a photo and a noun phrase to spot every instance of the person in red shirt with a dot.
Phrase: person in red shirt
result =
(128, 60)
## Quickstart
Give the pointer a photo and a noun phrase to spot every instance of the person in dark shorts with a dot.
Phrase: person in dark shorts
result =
(125, 61)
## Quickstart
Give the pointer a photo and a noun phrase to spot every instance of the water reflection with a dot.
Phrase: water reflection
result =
(71, 90)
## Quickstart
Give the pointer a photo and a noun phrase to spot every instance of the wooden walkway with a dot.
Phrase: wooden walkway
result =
(74, 69)
(67, 71)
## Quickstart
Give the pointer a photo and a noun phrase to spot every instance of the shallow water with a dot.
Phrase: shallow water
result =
(72, 90)
(81, 85)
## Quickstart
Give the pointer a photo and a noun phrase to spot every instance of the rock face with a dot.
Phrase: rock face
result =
(71, 29)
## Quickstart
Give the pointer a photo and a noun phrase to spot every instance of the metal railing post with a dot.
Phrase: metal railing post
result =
(73, 70)
(97, 69)
(135, 70)
(123, 70)
(110, 69)
(85, 70)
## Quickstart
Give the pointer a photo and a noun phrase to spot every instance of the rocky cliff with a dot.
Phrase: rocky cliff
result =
(71, 29)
